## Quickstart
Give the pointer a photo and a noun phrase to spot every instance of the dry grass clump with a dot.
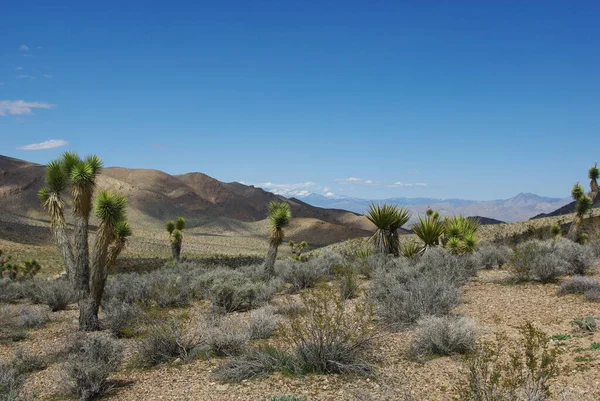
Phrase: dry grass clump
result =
(443, 336)
(263, 322)
(11, 291)
(579, 285)
(121, 318)
(15, 320)
(165, 342)
(257, 362)
(94, 359)
(493, 256)
(11, 381)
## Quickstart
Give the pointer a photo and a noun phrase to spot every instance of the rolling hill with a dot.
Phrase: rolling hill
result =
(211, 207)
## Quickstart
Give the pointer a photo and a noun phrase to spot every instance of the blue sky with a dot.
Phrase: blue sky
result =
(469, 99)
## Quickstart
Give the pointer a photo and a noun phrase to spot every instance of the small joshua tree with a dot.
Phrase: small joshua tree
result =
(175, 230)
(584, 206)
(87, 275)
(388, 219)
(297, 248)
(280, 216)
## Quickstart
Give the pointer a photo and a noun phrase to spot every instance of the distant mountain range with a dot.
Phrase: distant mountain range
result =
(518, 208)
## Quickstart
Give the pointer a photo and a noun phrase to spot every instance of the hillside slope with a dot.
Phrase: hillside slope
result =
(155, 196)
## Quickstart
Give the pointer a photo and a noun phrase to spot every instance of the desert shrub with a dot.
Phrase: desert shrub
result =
(303, 275)
(170, 290)
(121, 318)
(11, 291)
(129, 288)
(579, 285)
(443, 336)
(231, 261)
(57, 294)
(493, 256)
(165, 342)
(592, 295)
(11, 381)
(223, 336)
(29, 362)
(230, 290)
(329, 336)
(263, 322)
(535, 260)
(33, 317)
(88, 369)
(579, 258)
(347, 283)
(457, 269)
(14, 320)
(403, 296)
(520, 373)
(257, 362)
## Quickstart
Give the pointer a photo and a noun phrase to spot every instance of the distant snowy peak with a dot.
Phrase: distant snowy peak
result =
(290, 192)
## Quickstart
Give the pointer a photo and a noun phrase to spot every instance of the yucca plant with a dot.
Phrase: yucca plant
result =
(280, 216)
(388, 219)
(175, 230)
(87, 278)
(460, 234)
(555, 230)
(429, 230)
(410, 249)
(593, 174)
(583, 207)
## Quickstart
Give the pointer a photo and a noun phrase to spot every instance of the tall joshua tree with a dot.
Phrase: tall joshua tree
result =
(280, 216)
(584, 205)
(88, 279)
(593, 174)
(175, 230)
(388, 219)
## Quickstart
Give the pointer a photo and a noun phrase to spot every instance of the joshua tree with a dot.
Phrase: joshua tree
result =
(388, 219)
(280, 216)
(297, 248)
(88, 279)
(175, 229)
(584, 205)
(593, 174)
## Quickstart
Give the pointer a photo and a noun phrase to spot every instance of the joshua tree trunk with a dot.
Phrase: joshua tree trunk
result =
(60, 233)
(176, 249)
(573, 233)
(269, 265)
(81, 278)
(394, 243)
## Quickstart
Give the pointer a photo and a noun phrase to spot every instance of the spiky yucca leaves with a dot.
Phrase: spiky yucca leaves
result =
(577, 191)
(460, 234)
(280, 216)
(593, 174)
(170, 226)
(410, 249)
(180, 223)
(429, 230)
(388, 219)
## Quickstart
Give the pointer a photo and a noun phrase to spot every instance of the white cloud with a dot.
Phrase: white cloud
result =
(24, 48)
(271, 185)
(396, 184)
(413, 171)
(20, 107)
(25, 76)
(19, 68)
(50, 144)
(47, 76)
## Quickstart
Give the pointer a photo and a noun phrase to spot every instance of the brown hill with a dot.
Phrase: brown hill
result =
(210, 206)
(568, 208)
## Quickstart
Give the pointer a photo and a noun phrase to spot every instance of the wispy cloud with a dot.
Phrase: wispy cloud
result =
(25, 76)
(19, 68)
(361, 181)
(50, 144)
(24, 48)
(413, 171)
(47, 76)
(271, 185)
(21, 107)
